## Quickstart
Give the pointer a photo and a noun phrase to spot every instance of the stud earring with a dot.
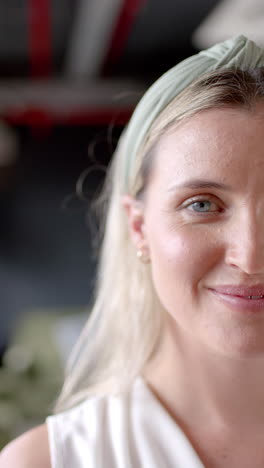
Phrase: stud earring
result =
(144, 258)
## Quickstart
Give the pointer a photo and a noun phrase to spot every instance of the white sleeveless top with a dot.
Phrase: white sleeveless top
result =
(132, 430)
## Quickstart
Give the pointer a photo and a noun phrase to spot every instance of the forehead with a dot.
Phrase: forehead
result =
(217, 142)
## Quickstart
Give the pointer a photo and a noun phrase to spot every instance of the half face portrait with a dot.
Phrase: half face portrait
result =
(202, 225)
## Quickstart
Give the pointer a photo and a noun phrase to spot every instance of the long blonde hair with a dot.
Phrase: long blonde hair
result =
(125, 325)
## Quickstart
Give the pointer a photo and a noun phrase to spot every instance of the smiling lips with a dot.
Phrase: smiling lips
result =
(256, 291)
(241, 297)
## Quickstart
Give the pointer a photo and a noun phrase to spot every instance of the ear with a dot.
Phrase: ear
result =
(136, 222)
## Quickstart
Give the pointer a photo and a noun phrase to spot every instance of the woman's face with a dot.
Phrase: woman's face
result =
(203, 227)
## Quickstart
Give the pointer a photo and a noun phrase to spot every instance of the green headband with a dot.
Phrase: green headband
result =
(236, 52)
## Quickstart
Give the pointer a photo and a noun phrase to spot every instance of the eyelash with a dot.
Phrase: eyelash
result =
(203, 199)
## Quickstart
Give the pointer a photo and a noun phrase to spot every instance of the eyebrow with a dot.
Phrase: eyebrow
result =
(200, 183)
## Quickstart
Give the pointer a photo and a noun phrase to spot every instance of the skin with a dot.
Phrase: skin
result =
(209, 370)
(30, 450)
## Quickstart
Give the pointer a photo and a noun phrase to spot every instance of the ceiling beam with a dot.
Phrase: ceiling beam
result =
(127, 17)
(92, 30)
(57, 102)
(39, 37)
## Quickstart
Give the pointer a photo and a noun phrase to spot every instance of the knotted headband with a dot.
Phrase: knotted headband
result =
(237, 52)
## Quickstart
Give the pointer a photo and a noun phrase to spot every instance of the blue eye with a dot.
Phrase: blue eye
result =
(202, 206)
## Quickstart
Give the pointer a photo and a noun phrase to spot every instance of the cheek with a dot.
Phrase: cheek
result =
(180, 261)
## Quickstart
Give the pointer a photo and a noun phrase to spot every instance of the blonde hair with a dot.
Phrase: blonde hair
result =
(123, 331)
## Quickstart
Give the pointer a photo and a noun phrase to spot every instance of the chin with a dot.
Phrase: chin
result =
(242, 348)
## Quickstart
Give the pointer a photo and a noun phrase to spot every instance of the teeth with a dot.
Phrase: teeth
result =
(255, 297)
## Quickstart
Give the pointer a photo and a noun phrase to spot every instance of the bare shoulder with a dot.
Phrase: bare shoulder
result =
(30, 450)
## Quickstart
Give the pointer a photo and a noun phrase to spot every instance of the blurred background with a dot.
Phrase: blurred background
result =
(71, 73)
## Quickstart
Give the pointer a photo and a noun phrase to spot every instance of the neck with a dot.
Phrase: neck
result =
(197, 385)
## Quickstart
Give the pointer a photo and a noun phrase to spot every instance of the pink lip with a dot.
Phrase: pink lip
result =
(240, 290)
(237, 297)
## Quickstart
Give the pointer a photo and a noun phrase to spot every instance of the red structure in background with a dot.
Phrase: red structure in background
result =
(41, 67)
(40, 38)
(129, 12)
(39, 118)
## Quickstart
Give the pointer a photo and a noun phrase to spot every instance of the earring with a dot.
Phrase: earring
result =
(144, 258)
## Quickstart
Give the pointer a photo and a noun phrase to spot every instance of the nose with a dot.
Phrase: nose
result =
(245, 247)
